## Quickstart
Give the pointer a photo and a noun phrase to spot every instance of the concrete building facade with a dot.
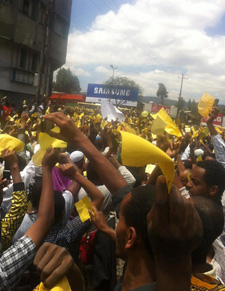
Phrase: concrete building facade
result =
(33, 44)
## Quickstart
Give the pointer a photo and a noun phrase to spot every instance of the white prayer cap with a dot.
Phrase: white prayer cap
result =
(76, 156)
(198, 152)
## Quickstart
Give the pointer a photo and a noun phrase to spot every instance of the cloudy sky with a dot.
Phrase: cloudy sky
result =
(151, 42)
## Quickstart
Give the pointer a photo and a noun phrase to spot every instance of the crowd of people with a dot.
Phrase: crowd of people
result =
(76, 217)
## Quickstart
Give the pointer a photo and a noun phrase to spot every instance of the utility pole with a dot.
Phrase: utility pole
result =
(113, 68)
(179, 98)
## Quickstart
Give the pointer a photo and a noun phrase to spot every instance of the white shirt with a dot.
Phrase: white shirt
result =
(106, 193)
(29, 219)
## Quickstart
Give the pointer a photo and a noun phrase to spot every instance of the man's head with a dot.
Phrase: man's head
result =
(131, 232)
(207, 179)
(78, 158)
(212, 219)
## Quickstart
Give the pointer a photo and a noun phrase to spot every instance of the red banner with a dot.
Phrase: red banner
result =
(157, 107)
(216, 122)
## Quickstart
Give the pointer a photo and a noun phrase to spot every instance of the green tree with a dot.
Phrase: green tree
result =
(124, 81)
(66, 82)
(162, 92)
(193, 106)
(182, 103)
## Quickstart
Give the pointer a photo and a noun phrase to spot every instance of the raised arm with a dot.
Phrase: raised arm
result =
(92, 191)
(173, 222)
(14, 217)
(70, 133)
(38, 231)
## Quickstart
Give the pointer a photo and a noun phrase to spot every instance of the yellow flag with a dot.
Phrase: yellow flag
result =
(128, 128)
(158, 126)
(45, 142)
(62, 285)
(138, 152)
(171, 127)
(149, 168)
(82, 207)
(104, 123)
(205, 104)
(9, 142)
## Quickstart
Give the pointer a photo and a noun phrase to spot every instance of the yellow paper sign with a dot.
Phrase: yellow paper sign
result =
(158, 126)
(63, 285)
(82, 207)
(9, 142)
(45, 142)
(171, 127)
(138, 152)
(205, 104)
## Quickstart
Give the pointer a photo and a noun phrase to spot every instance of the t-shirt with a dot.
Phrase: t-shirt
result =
(7, 111)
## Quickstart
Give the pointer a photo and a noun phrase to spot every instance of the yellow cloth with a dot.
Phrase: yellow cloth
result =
(63, 285)
(203, 282)
(9, 142)
(82, 207)
(149, 169)
(158, 126)
(171, 127)
(104, 123)
(205, 104)
(128, 128)
(138, 152)
(45, 142)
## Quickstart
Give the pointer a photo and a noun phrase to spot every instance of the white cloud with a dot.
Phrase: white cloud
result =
(102, 69)
(165, 34)
(80, 72)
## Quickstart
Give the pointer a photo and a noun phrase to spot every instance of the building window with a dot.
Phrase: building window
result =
(42, 17)
(34, 62)
(61, 27)
(21, 76)
(29, 8)
(22, 59)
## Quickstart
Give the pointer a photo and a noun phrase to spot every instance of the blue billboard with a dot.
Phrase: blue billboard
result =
(117, 94)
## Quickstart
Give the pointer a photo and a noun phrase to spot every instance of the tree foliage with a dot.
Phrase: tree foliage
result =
(182, 103)
(193, 106)
(66, 82)
(124, 81)
(162, 92)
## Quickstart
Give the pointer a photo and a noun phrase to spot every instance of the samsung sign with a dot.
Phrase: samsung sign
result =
(117, 94)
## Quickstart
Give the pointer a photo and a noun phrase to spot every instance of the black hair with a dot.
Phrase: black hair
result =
(136, 209)
(34, 191)
(187, 164)
(92, 175)
(59, 206)
(214, 175)
(212, 219)
(209, 155)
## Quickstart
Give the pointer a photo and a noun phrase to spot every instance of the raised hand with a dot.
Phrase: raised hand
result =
(174, 226)
(70, 170)
(50, 158)
(54, 263)
(68, 130)
(212, 115)
(10, 158)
